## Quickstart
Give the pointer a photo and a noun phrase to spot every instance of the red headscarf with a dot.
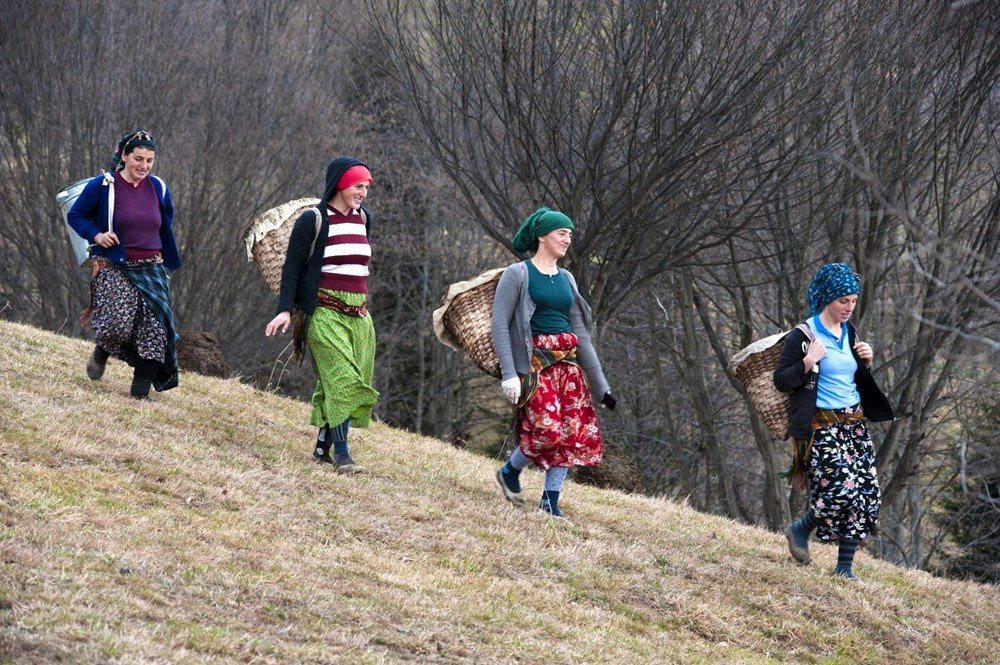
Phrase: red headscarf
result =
(354, 175)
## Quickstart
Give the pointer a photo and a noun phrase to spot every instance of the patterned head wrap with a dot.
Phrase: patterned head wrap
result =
(832, 281)
(129, 142)
(540, 222)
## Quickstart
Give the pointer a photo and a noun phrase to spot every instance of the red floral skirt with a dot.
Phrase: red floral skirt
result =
(557, 422)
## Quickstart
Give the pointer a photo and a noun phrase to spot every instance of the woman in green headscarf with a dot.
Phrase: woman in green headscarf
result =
(550, 371)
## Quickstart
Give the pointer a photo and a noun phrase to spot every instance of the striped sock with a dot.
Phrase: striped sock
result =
(338, 435)
(845, 557)
(808, 521)
(802, 528)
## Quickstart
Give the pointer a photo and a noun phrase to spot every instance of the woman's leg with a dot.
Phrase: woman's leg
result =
(97, 363)
(142, 378)
(554, 478)
(509, 476)
(797, 534)
(845, 559)
(321, 453)
(341, 453)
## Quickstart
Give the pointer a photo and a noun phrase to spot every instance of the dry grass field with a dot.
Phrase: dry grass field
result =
(194, 528)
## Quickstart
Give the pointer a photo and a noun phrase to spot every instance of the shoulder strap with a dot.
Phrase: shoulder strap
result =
(806, 330)
(109, 182)
(319, 224)
(163, 185)
(364, 220)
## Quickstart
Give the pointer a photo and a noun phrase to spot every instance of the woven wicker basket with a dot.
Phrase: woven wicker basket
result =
(267, 238)
(754, 367)
(464, 319)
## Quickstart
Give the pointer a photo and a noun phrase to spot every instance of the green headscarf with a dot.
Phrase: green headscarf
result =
(538, 223)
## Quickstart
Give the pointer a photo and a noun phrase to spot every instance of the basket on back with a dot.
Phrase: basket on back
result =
(464, 319)
(754, 367)
(267, 238)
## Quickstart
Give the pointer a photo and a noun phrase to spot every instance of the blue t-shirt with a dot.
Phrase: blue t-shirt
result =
(553, 298)
(836, 388)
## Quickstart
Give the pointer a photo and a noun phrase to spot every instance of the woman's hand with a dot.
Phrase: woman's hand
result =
(814, 354)
(280, 321)
(107, 240)
(512, 389)
(864, 352)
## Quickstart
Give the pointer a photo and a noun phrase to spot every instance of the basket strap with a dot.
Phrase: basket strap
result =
(319, 223)
(109, 182)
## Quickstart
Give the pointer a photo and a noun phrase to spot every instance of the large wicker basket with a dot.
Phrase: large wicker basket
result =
(464, 319)
(267, 238)
(754, 367)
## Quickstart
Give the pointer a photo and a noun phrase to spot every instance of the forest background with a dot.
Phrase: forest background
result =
(713, 155)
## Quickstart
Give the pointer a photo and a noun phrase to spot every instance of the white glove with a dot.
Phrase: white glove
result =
(512, 389)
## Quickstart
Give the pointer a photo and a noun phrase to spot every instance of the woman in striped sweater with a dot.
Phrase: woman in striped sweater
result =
(325, 279)
(550, 371)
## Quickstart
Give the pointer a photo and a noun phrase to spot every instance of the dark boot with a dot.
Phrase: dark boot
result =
(96, 363)
(142, 378)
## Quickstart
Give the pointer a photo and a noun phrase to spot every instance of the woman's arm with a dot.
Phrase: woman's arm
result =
(82, 217)
(504, 303)
(585, 352)
(295, 258)
(790, 372)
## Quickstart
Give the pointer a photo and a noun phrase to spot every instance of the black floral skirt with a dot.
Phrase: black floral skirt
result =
(843, 482)
(132, 318)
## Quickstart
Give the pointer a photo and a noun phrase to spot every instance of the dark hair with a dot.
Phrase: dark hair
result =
(128, 143)
(130, 148)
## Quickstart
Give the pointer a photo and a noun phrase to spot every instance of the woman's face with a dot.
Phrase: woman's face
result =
(138, 164)
(840, 310)
(556, 243)
(350, 198)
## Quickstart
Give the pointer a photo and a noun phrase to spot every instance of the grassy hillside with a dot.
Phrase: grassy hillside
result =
(194, 528)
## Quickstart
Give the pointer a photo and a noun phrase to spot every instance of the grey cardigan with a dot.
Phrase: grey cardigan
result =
(512, 310)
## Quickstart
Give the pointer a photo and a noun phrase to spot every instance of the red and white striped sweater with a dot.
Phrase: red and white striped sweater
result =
(347, 253)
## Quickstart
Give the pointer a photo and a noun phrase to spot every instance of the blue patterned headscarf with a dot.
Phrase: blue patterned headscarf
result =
(832, 281)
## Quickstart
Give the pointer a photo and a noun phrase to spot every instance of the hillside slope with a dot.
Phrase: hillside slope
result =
(194, 528)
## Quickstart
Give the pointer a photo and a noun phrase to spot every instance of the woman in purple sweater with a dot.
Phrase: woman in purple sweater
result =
(127, 216)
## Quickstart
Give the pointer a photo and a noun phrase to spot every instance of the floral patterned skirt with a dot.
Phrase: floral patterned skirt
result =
(557, 422)
(843, 482)
(124, 324)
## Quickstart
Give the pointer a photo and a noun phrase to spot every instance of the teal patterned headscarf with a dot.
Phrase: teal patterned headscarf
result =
(832, 281)
(539, 223)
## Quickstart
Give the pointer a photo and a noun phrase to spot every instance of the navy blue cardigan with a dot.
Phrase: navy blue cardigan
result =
(89, 216)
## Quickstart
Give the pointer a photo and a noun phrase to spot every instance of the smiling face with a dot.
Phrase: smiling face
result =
(555, 243)
(350, 199)
(840, 310)
(138, 164)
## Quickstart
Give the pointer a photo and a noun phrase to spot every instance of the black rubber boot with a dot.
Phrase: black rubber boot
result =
(142, 378)
(96, 363)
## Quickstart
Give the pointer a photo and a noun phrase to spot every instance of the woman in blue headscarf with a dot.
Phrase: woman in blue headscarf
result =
(829, 407)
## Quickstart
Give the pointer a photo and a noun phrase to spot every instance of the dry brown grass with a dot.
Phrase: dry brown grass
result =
(195, 529)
